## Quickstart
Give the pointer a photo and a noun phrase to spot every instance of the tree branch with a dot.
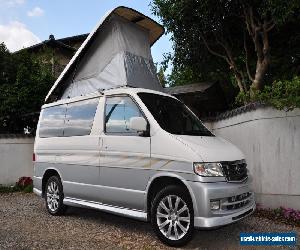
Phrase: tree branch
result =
(247, 21)
(271, 26)
(253, 26)
(247, 58)
(210, 50)
(266, 46)
(253, 30)
(230, 60)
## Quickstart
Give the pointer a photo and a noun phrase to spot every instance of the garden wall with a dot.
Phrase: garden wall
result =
(270, 140)
(15, 158)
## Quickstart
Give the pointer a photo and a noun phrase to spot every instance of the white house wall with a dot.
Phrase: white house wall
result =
(270, 140)
(15, 159)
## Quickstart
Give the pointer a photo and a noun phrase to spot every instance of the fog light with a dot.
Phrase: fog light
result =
(215, 204)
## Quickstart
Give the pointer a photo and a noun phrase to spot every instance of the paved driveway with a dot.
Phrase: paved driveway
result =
(25, 224)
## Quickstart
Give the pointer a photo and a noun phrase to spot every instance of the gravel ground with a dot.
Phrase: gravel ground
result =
(25, 224)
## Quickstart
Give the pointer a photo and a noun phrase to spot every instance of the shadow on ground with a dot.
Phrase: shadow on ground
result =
(25, 224)
(226, 237)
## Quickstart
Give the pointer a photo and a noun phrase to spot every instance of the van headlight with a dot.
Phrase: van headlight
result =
(208, 169)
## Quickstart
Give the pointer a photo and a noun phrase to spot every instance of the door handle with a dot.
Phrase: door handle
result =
(100, 142)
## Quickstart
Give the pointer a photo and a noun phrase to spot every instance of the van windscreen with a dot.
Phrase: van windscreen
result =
(173, 116)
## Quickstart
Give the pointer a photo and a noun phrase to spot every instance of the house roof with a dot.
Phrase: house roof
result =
(81, 37)
(189, 88)
(62, 43)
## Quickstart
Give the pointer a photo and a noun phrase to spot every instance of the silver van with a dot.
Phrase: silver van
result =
(142, 154)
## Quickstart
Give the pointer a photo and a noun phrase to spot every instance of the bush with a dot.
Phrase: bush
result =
(28, 189)
(286, 215)
(25, 79)
(8, 189)
(283, 94)
(24, 184)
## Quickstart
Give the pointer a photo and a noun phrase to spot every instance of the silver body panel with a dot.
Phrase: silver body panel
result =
(113, 173)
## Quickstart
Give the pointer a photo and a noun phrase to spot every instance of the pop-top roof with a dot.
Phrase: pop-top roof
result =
(154, 30)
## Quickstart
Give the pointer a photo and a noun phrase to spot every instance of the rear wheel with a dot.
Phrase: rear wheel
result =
(172, 216)
(54, 196)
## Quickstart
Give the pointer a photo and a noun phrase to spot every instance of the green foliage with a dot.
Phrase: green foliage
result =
(223, 23)
(278, 9)
(183, 76)
(24, 83)
(28, 189)
(161, 77)
(281, 94)
(24, 184)
(16, 188)
(9, 189)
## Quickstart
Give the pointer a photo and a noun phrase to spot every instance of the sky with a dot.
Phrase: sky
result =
(27, 22)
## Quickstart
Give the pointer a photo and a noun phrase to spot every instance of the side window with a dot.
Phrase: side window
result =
(52, 121)
(80, 117)
(118, 111)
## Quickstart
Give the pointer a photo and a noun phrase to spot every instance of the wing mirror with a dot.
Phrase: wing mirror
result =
(139, 124)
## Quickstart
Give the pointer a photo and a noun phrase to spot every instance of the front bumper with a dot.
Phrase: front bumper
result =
(203, 222)
(203, 193)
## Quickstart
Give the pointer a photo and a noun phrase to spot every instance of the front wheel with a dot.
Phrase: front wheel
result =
(54, 196)
(172, 216)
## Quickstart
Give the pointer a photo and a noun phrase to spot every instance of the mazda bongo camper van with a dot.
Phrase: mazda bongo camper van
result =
(109, 138)
(141, 154)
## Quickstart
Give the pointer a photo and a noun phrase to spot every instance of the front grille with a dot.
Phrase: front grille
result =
(238, 205)
(239, 197)
(242, 215)
(235, 170)
(237, 201)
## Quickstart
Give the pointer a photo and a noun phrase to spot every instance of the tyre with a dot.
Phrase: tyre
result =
(54, 196)
(172, 216)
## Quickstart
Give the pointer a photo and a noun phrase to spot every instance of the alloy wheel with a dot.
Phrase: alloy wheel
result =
(52, 196)
(173, 217)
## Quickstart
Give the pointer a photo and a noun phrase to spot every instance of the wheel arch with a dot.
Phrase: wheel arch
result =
(47, 174)
(162, 180)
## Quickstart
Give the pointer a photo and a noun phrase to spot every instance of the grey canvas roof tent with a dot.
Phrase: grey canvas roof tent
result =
(116, 53)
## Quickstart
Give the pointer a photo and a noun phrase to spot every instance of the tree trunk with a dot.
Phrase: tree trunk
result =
(258, 31)
(261, 70)
(240, 81)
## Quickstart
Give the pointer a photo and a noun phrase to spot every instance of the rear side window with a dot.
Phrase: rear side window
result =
(80, 117)
(73, 119)
(118, 111)
(52, 121)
